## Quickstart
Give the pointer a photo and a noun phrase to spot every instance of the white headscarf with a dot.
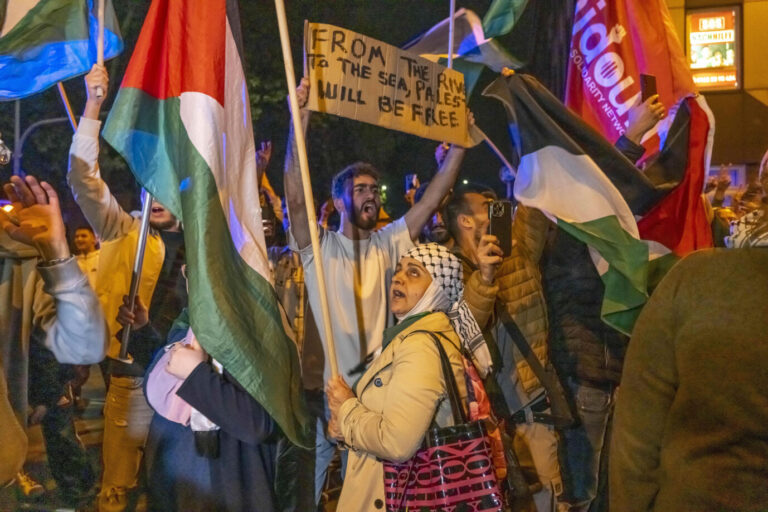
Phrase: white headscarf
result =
(446, 293)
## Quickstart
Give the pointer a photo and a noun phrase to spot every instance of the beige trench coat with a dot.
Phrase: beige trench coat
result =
(399, 396)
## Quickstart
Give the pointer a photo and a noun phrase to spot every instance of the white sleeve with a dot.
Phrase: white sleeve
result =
(91, 193)
(397, 239)
(305, 253)
(67, 310)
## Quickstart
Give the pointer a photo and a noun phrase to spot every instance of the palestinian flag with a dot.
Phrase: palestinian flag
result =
(472, 50)
(592, 191)
(679, 222)
(182, 122)
(46, 41)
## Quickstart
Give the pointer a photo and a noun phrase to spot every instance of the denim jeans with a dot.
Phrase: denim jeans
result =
(584, 448)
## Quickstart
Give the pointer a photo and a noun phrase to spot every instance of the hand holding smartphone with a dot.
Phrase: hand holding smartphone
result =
(500, 226)
(647, 86)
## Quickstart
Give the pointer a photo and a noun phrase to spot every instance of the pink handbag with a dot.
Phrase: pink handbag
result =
(453, 471)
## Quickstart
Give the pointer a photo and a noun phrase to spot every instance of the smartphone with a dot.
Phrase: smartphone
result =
(500, 215)
(647, 86)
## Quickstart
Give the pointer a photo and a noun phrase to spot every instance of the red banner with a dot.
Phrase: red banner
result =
(613, 42)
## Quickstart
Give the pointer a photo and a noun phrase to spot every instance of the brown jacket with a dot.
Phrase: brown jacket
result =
(689, 429)
(517, 288)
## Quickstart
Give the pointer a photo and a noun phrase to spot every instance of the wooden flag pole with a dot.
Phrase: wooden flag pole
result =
(498, 152)
(100, 44)
(301, 147)
(67, 106)
(451, 25)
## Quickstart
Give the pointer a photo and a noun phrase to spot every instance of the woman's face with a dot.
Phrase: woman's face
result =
(409, 283)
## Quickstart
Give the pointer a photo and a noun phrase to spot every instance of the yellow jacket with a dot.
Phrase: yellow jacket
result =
(118, 231)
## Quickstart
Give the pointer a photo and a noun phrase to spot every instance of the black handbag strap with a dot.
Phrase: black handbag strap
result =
(522, 345)
(454, 398)
(561, 414)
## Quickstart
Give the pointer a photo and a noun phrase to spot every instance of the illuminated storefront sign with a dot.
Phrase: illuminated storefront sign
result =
(713, 47)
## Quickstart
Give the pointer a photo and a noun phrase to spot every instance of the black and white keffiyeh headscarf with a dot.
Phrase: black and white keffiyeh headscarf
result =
(751, 230)
(446, 293)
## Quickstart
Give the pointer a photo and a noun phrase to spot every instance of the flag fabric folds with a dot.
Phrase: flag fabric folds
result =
(472, 50)
(181, 120)
(49, 41)
(502, 16)
(571, 173)
(679, 221)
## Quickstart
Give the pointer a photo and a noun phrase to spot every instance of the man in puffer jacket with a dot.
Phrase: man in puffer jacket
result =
(511, 284)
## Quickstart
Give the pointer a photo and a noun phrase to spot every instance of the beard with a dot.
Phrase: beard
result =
(439, 237)
(357, 216)
(366, 224)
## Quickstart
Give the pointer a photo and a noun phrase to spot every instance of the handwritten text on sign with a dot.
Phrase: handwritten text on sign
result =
(354, 76)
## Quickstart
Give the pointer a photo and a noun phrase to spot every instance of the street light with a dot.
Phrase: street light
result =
(19, 144)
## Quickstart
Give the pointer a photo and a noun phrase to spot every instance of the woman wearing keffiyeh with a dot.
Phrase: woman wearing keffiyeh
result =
(403, 392)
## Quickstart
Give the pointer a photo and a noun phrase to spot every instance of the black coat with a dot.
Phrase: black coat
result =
(241, 478)
(581, 345)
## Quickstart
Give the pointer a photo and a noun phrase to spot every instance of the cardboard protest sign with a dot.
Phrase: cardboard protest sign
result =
(355, 76)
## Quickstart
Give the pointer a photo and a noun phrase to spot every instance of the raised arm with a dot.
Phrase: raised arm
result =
(91, 193)
(263, 157)
(294, 193)
(65, 306)
(642, 118)
(438, 188)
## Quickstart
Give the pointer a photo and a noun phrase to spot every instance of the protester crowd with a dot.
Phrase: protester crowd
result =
(435, 324)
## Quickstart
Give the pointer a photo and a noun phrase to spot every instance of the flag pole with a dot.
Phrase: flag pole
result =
(301, 147)
(512, 170)
(138, 264)
(100, 44)
(497, 151)
(67, 106)
(451, 25)
(16, 138)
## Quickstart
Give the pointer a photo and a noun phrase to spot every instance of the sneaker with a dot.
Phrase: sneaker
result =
(27, 487)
